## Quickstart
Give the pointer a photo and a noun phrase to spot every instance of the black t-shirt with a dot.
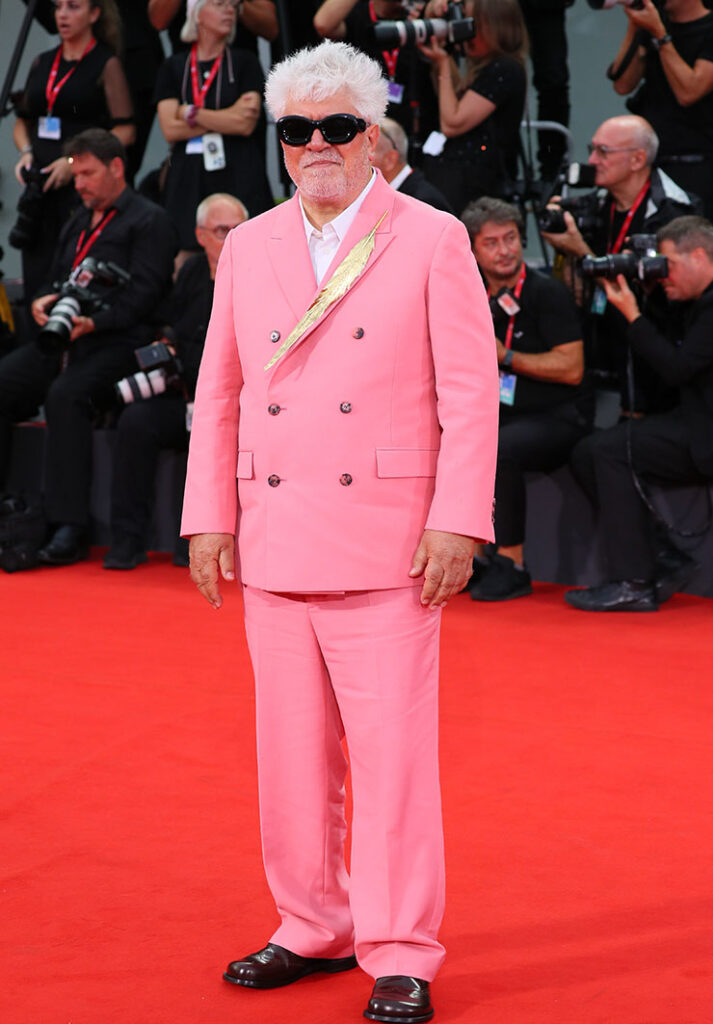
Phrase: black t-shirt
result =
(680, 129)
(412, 71)
(494, 143)
(548, 317)
(80, 104)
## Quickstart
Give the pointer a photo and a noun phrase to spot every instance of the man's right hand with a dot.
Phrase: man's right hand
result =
(569, 241)
(212, 555)
(40, 306)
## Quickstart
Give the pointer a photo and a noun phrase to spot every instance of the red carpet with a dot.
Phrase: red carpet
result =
(576, 761)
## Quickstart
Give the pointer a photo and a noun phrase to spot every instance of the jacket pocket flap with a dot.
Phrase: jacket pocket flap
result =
(397, 462)
(245, 466)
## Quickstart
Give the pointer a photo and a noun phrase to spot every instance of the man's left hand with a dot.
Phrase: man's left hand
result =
(648, 18)
(621, 297)
(446, 562)
(82, 325)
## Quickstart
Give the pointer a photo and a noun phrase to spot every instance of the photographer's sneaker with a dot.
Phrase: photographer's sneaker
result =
(125, 553)
(502, 581)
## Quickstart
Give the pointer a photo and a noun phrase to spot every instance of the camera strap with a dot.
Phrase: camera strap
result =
(83, 247)
(52, 90)
(613, 249)
(200, 91)
(390, 56)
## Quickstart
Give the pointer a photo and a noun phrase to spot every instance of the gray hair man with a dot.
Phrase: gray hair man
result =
(391, 157)
(349, 381)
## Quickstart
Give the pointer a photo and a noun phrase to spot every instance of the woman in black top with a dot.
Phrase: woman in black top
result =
(208, 107)
(480, 112)
(78, 85)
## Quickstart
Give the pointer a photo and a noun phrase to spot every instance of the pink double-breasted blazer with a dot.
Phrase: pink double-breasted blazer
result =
(381, 421)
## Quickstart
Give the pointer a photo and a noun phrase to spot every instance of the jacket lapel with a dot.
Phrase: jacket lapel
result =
(288, 253)
(380, 200)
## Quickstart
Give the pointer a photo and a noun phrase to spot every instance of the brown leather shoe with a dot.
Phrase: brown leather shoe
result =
(397, 999)
(274, 966)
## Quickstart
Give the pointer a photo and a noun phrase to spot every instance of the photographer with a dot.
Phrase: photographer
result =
(668, 53)
(391, 158)
(147, 426)
(544, 406)
(412, 102)
(632, 197)
(675, 446)
(114, 224)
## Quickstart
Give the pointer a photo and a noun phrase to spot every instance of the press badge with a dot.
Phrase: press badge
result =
(194, 145)
(507, 302)
(507, 388)
(213, 152)
(599, 301)
(396, 92)
(49, 128)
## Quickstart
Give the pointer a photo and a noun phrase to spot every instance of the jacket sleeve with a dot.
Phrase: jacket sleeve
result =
(466, 374)
(675, 364)
(210, 502)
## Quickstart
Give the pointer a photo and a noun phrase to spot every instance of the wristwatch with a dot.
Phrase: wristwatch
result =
(658, 43)
(190, 115)
(507, 359)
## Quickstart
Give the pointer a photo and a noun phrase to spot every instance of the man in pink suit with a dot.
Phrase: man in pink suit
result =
(349, 381)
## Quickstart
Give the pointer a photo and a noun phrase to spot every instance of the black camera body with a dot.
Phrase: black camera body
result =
(30, 209)
(77, 298)
(643, 263)
(450, 31)
(584, 209)
(159, 371)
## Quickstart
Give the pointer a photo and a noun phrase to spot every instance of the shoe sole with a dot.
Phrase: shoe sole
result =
(139, 560)
(632, 607)
(336, 967)
(391, 1019)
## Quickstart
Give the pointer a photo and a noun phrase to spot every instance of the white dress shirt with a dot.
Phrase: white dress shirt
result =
(324, 244)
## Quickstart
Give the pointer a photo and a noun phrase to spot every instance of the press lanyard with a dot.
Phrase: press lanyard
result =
(627, 220)
(390, 56)
(516, 295)
(83, 247)
(199, 93)
(52, 90)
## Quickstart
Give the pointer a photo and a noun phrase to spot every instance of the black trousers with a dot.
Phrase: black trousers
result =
(29, 377)
(660, 451)
(548, 52)
(144, 429)
(528, 442)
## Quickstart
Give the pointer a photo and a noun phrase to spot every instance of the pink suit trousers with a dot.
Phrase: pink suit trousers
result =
(363, 665)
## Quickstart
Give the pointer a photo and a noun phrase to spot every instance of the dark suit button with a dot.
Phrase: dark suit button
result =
(274, 336)
(358, 332)
(345, 479)
(273, 409)
(274, 480)
(346, 407)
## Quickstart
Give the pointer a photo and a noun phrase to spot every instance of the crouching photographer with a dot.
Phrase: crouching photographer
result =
(111, 269)
(157, 396)
(632, 197)
(644, 567)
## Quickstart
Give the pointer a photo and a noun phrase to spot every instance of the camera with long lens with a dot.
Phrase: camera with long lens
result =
(159, 371)
(643, 263)
(584, 209)
(78, 298)
(451, 30)
(30, 209)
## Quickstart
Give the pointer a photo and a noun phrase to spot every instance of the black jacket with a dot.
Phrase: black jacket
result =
(686, 362)
(418, 186)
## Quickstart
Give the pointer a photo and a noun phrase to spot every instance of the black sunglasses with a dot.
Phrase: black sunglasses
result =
(336, 129)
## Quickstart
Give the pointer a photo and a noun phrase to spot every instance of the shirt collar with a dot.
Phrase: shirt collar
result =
(343, 221)
(397, 181)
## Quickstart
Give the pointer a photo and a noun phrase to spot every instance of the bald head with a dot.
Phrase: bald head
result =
(216, 215)
(632, 130)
